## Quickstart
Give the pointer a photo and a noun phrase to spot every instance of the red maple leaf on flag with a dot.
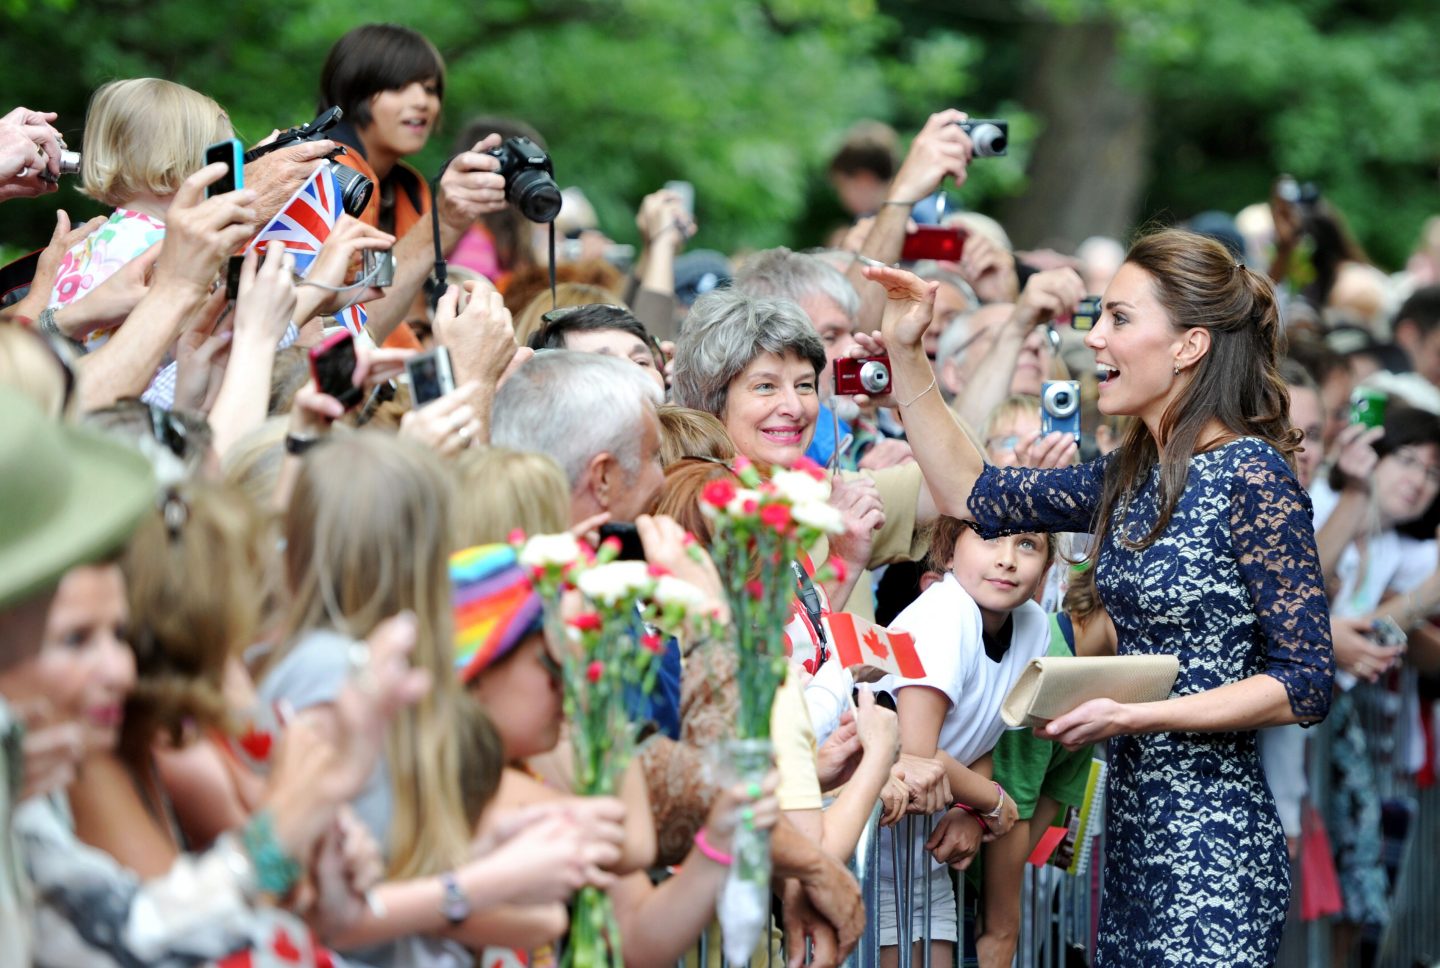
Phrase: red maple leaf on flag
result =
(877, 647)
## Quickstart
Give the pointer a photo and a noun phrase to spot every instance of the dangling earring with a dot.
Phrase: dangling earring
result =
(1177, 369)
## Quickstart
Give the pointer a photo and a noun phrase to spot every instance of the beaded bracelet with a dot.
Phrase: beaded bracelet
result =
(275, 871)
(718, 856)
(975, 814)
(999, 810)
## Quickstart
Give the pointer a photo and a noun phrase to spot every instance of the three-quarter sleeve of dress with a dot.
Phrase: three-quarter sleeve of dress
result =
(1009, 500)
(1274, 541)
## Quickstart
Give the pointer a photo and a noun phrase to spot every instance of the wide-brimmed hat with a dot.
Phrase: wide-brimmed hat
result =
(67, 496)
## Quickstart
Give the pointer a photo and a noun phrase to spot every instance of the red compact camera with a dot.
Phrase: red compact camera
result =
(869, 375)
(934, 242)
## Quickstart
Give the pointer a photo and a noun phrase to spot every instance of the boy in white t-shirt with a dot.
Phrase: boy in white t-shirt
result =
(975, 629)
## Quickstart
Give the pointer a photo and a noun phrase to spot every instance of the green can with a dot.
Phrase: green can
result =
(1367, 407)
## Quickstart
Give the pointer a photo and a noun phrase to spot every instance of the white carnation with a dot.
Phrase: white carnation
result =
(737, 503)
(544, 550)
(670, 590)
(800, 488)
(610, 583)
(820, 516)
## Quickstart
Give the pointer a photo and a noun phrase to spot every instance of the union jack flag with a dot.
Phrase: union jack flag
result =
(303, 225)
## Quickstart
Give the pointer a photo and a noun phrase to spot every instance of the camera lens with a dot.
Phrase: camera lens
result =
(355, 189)
(535, 193)
(988, 140)
(874, 377)
(1060, 399)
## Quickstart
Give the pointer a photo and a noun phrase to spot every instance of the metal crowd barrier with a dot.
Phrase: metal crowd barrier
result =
(1411, 936)
(1058, 911)
(1058, 920)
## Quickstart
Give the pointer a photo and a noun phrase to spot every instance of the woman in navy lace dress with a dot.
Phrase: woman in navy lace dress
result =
(1206, 552)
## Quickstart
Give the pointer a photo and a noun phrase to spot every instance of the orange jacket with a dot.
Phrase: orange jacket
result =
(412, 200)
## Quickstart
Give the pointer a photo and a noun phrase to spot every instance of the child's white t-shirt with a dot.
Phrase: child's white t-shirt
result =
(946, 625)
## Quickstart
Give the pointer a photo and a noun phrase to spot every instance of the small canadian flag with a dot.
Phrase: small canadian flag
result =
(858, 642)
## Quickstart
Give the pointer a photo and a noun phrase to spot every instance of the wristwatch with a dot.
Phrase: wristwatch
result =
(298, 445)
(455, 906)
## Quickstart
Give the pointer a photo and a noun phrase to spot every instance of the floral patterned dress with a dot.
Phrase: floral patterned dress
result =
(1196, 871)
(100, 255)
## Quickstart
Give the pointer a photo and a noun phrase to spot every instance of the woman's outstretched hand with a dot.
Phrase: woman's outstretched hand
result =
(909, 304)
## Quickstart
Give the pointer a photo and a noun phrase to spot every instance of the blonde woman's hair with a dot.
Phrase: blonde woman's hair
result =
(193, 570)
(146, 135)
(503, 489)
(33, 368)
(367, 535)
(692, 433)
(253, 462)
(1015, 405)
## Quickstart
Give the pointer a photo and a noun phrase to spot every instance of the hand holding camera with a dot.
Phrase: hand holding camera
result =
(1357, 459)
(664, 219)
(474, 325)
(32, 154)
(1048, 295)
(941, 148)
(348, 241)
(990, 270)
(472, 186)
(1359, 650)
(287, 159)
(448, 424)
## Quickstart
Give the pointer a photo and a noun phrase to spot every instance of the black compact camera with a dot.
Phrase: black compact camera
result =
(355, 188)
(1086, 314)
(1303, 195)
(529, 179)
(988, 136)
(1060, 407)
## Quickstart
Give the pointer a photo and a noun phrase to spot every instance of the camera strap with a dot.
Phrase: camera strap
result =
(554, 300)
(439, 271)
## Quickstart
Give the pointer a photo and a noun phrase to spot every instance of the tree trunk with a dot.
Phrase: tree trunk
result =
(1089, 168)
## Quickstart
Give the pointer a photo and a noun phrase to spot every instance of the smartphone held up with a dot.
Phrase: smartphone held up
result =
(332, 363)
(231, 153)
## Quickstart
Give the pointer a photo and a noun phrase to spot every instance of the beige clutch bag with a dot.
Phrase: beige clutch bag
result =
(1053, 685)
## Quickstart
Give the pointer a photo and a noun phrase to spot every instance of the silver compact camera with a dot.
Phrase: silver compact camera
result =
(69, 165)
(1060, 407)
(989, 137)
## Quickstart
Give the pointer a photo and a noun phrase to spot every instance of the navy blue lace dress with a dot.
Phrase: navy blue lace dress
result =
(1195, 870)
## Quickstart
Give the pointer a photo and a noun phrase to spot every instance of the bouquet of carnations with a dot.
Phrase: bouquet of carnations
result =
(610, 644)
(760, 528)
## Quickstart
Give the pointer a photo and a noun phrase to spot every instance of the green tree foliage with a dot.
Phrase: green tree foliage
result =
(743, 98)
(747, 98)
(1342, 93)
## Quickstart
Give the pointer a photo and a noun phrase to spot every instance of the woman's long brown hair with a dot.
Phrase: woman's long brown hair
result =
(1236, 383)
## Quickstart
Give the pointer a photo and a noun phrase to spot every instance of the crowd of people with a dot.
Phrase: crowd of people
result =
(247, 720)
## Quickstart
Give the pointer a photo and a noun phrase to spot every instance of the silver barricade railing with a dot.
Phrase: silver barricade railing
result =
(1057, 911)
(1411, 936)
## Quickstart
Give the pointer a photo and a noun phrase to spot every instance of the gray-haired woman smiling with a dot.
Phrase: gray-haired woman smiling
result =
(755, 364)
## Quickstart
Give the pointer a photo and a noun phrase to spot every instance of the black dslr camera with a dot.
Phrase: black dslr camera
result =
(988, 136)
(355, 188)
(529, 179)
